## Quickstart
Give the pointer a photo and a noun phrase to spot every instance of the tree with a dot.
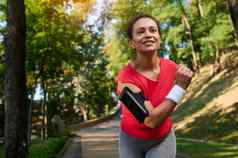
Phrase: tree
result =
(233, 8)
(15, 83)
(214, 33)
(95, 84)
(60, 48)
(53, 37)
(189, 30)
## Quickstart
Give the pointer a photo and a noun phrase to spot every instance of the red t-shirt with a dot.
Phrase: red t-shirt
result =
(155, 91)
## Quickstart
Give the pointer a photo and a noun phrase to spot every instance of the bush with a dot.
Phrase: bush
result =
(48, 148)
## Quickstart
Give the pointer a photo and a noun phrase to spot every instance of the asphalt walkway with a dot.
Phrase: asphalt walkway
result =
(99, 141)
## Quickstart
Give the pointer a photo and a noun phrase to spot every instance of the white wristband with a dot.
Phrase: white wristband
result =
(176, 94)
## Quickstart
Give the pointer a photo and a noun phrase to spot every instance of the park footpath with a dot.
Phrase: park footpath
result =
(97, 141)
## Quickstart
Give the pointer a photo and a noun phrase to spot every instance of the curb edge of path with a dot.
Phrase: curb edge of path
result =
(65, 147)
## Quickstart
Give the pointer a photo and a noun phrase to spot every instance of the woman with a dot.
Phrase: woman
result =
(162, 82)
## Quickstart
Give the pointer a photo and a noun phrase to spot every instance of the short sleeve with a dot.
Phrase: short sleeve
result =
(126, 76)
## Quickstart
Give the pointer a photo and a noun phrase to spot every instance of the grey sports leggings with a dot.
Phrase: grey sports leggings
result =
(130, 147)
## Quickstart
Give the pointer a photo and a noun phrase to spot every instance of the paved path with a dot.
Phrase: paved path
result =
(99, 141)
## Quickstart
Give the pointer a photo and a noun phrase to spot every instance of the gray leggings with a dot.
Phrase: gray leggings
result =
(130, 147)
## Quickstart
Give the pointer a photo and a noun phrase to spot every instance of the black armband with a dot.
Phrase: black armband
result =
(135, 103)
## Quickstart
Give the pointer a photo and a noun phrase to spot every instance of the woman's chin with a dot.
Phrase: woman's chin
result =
(149, 51)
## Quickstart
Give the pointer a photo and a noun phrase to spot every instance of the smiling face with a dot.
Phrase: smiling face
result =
(145, 36)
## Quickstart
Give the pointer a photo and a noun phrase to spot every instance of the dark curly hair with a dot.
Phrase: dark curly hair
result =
(135, 19)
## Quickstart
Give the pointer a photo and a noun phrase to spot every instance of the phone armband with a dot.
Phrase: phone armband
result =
(134, 103)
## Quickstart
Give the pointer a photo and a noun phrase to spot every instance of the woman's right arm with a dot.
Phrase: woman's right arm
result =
(156, 115)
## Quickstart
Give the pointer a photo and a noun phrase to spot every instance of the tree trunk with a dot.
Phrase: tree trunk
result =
(16, 110)
(44, 112)
(217, 57)
(30, 119)
(233, 8)
(195, 56)
(217, 63)
(84, 110)
(199, 8)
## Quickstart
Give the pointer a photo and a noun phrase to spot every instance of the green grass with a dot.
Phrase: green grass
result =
(213, 124)
(43, 149)
(206, 150)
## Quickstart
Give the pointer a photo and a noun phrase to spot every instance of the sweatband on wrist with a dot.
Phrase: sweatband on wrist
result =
(176, 94)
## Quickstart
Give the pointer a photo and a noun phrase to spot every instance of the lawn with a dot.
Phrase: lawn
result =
(206, 150)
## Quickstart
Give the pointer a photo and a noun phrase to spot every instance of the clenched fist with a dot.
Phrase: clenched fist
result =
(183, 76)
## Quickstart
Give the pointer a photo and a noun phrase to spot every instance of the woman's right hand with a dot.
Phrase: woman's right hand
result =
(132, 87)
(183, 76)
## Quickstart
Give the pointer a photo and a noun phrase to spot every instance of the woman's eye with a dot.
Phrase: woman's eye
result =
(153, 30)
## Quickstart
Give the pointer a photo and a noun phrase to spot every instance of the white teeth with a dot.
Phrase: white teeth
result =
(149, 42)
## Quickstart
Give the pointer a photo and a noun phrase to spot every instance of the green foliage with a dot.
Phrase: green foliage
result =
(52, 41)
(96, 82)
(118, 53)
(44, 149)
(3, 9)
(59, 49)
(212, 31)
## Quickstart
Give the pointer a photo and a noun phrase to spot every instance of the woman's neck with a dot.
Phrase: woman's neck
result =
(145, 62)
